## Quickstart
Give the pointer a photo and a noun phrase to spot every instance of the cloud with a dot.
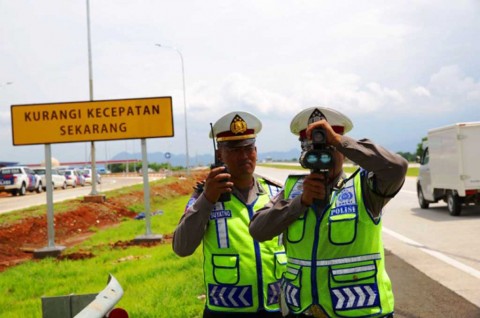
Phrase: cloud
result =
(381, 63)
(235, 92)
(421, 91)
(450, 81)
(346, 92)
(447, 91)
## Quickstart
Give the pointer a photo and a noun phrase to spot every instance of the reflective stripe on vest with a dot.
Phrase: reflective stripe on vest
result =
(336, 259)
(241, 274)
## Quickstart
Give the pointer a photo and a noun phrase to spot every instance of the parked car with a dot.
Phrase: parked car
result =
(58, 180)
(87, 173)
(19, 180)
(70, 176)
(103, 171)
(80, 177)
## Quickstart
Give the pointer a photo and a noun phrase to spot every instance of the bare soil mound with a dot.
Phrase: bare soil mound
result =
(18, 240)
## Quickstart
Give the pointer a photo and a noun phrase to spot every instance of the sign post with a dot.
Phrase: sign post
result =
(149, 236)
(51, 249)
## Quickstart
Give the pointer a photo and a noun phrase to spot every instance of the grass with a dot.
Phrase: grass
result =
(156, 282)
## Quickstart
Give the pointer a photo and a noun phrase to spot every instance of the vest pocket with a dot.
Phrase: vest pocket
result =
(347, 274)
(353, 289)
(226, 269)
(296, 230)
(342, 228)
(279, 264)
(292, 278)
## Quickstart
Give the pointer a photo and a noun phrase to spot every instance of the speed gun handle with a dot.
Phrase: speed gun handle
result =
(323, 202)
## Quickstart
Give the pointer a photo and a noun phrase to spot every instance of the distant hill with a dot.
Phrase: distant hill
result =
(203, 160)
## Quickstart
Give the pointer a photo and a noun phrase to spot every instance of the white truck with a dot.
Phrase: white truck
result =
(19, 180)
(450, 167)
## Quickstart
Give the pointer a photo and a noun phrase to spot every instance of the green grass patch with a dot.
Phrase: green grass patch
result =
(156, 282)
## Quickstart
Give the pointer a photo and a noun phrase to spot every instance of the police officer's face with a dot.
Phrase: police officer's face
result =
(239, 160)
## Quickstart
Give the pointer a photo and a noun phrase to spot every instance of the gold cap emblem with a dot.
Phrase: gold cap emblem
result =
(238, 125)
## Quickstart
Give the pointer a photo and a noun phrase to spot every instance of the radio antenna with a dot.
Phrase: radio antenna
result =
(213, 138)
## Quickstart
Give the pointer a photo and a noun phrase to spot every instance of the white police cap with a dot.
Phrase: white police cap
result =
(340, 123)
(236, 129)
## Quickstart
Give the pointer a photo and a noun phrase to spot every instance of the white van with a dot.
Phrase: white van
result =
(450, 167)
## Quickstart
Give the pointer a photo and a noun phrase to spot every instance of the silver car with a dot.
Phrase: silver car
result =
(87, 173)
(71, 177)
(58, 180)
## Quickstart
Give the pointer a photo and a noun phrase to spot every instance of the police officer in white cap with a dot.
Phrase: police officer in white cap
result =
(332, 224)
(242, 276)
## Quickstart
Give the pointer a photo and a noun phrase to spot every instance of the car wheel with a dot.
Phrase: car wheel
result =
(454, 204)
(39, 188)
(421, 199)
(64, 186)
(22, 190)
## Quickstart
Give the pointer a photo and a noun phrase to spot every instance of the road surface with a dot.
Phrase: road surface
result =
(10, 203)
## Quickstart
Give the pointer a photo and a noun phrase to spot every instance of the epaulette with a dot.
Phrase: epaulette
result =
(270, 181)
(199, 186)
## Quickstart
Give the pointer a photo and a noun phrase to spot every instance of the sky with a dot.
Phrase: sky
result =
(396, 68)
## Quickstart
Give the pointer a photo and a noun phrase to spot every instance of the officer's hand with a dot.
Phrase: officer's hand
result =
(217, 183)
(333, 138)
(313, 188)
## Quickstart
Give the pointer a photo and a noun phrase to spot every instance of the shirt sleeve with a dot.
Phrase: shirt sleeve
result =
(385, 171)
(192, 226)
(275, 217)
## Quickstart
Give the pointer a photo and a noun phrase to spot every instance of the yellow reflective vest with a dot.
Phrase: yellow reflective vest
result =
(335, 257)
(241, 274)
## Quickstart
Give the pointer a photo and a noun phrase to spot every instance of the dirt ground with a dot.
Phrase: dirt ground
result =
(18, 240)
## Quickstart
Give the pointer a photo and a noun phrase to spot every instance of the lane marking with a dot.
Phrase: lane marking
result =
(465, 268)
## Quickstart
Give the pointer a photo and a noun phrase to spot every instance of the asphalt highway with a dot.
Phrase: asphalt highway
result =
(10, 203)
(419, 296)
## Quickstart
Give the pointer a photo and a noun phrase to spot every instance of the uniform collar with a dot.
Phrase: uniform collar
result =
(339, 182)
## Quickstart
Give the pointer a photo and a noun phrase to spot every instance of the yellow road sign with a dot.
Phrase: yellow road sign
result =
(91, 121)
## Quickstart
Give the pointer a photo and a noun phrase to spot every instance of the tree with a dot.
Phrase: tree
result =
(420, 147)
(410, 157)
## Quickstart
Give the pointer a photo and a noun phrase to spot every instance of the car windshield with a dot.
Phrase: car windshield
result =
(10, 171)
(40, 171)
(68, 173)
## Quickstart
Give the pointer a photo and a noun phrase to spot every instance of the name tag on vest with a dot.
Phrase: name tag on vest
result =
(219, 212)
